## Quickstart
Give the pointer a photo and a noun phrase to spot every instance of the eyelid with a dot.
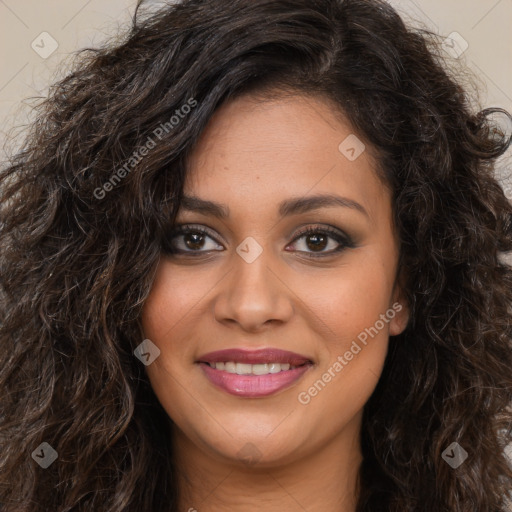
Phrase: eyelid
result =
(323, 228)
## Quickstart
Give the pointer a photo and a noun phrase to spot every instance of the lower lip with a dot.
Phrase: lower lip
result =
(253, 386)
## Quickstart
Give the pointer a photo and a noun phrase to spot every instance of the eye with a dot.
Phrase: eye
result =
(318, 238)
(189, 239)
(192, 240)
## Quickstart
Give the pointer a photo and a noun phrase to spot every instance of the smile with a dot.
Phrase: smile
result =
(253, 374)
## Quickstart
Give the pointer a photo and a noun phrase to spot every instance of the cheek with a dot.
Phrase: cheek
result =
(351, 300)
(165, 319)
(353, 351)
(354, 307)
(171, 303)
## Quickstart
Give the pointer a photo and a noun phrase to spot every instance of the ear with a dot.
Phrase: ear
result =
(402, 311)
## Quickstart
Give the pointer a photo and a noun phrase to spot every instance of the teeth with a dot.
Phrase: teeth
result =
(252, 369)
(276, 367)
(260, 369)
(243, 369)
(229, 367)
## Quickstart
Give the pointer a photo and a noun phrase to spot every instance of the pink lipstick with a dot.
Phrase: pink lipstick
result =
(253, 373)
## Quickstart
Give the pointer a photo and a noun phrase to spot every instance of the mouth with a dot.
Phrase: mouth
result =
(253, 374)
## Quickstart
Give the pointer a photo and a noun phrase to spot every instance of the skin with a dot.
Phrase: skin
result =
(254, 154)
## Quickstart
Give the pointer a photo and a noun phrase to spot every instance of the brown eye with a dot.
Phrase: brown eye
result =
(189, 239)
(193, 241)
(317, 242)
(317, 239)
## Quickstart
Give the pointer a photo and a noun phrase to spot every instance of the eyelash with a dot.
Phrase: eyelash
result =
(344, 240)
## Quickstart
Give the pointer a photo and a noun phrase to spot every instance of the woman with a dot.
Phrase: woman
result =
(251, 259)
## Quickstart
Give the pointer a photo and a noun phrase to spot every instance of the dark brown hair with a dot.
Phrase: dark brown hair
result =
(78, 256)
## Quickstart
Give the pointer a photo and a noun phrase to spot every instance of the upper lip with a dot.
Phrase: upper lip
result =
(261, 356)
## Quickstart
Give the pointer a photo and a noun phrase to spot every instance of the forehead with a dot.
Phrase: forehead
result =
(265, 150)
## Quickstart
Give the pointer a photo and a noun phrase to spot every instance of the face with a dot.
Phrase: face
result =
(272, 339)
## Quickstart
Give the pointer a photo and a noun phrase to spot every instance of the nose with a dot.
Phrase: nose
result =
(253, 296)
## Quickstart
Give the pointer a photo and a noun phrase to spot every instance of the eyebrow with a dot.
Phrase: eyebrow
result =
(291, 206)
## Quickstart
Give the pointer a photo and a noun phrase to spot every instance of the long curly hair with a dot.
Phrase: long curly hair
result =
(84, 212)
